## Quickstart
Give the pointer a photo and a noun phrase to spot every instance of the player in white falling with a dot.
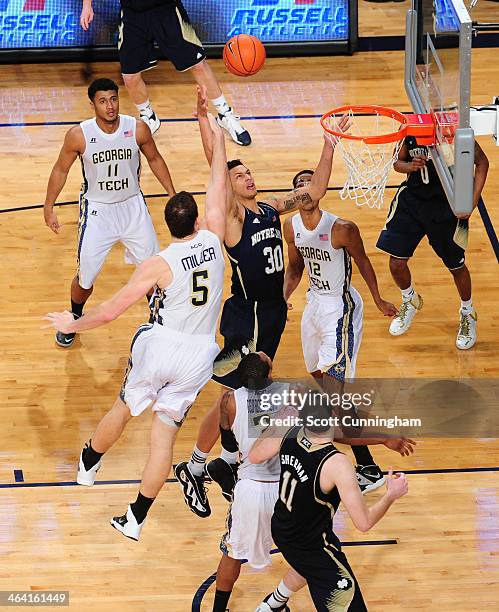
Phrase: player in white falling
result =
(171, 359)
(112, 207)
(331, 325)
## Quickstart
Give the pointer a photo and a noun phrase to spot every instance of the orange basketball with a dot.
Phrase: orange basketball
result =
(244, 55)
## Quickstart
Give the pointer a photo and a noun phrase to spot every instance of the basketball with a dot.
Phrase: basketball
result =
(244, 55)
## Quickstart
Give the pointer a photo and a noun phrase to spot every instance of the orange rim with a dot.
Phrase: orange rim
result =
(384, 111)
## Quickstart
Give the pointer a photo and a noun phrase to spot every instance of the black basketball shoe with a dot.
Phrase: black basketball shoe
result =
(65, 340)
(224, 474)
(194, 490)
(369, 477)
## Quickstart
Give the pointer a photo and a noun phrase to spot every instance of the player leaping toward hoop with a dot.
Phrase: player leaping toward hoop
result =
(331, 325)
(171, 359)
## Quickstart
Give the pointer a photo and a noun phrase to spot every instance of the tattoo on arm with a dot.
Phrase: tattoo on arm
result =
(296, 200)
(224, 411)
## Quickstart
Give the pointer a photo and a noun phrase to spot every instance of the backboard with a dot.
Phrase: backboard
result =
(438, 81)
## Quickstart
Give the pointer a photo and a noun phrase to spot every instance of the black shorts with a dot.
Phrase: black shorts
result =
(169, 27)
(330, 579)
(410, 219)
(247, 326)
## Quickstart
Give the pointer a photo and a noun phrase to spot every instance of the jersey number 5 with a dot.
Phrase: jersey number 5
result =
(287, 497)
(199, 291)
(274, 257)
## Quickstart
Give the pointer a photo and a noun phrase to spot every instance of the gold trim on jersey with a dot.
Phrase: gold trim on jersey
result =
(82, 224)
(340, 599)
(238, 274)
(120, 31)
(393, 205)
(314, 446)
(347, 317)
(188, 32)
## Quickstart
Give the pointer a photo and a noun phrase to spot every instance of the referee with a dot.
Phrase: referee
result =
(165, 23)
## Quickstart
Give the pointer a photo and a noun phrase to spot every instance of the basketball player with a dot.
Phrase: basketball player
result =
(315, 478)
(331, 325)
(165, 22)
(112, 207)
(249, 535)
(254, 317)
(171, 359)
(420, 208)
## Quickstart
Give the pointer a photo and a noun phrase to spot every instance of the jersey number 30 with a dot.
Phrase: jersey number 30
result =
(199, 290)
(274, 258)
(285, 495)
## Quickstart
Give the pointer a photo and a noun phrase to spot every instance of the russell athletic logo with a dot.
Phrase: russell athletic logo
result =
(298, 19)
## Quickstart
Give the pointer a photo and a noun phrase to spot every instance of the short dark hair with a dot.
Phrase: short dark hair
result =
(101, 85)
(253, 371)
(233, 163)
(311, 172)
(316, 413)
(181, 212)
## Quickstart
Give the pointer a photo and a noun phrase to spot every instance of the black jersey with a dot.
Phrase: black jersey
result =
(424, 183)
(303, 514)
(144, 5)
(257, 259)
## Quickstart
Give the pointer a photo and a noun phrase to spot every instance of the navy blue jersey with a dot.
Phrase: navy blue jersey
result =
(144, 5)
(424, 183)
(257, 259)
(303, 513)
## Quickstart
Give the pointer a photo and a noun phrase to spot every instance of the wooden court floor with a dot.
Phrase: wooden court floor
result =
(437, 549)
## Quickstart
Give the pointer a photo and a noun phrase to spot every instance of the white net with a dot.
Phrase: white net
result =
(368, 165)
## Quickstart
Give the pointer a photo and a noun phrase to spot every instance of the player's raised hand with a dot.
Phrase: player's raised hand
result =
(202, 104)
(61, 321)
(396, 485)
(404, 446)
(51, 220)
(387, 308)
(343, 124)
(87, 15)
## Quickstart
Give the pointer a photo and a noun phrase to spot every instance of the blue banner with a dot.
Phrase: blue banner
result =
(55, 23)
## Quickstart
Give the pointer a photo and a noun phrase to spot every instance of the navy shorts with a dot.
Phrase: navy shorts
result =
(247, 326)
(410, 219)
(166, 26)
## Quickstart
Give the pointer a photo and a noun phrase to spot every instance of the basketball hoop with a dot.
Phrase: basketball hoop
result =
(371, 146)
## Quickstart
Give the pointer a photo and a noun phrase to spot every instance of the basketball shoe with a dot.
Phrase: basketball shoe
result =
(127, 525)
(231, 123)
(369, 478)
(65, 340)
(194, 490)
(264, 606)
(151, 120)
(87, 477)
(466, 334)
(401, 323)
(224, 474)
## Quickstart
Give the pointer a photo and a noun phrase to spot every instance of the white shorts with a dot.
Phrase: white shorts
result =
(101, 226)
(169, 369)
(331, 332)
(249, 534)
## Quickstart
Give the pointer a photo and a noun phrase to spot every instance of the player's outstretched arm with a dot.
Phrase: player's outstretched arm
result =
(346, 234)
(87, 14)
(216, 192)
(73, 145)
(403, 446)
(295, 267)
(317, 187)
(338, 471)
(154, 158)
(153, 271)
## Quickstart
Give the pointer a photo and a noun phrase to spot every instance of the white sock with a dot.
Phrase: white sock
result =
(228, 456)
(280, 596)
(466, 306)
(221, 105)
(408, 294)
(145, 108)
(197, 461)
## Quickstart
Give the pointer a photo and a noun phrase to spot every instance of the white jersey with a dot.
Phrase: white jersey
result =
(191, 303)
(111, 162)
(329, 269)
(269, 470)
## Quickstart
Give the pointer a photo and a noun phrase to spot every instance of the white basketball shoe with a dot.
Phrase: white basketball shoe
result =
(127, 525)
(231, 123)
(152, 121)
(466, 334)
(86, 477)
(401, 323)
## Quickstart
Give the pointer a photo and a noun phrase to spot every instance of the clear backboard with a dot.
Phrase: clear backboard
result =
(437, 81)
